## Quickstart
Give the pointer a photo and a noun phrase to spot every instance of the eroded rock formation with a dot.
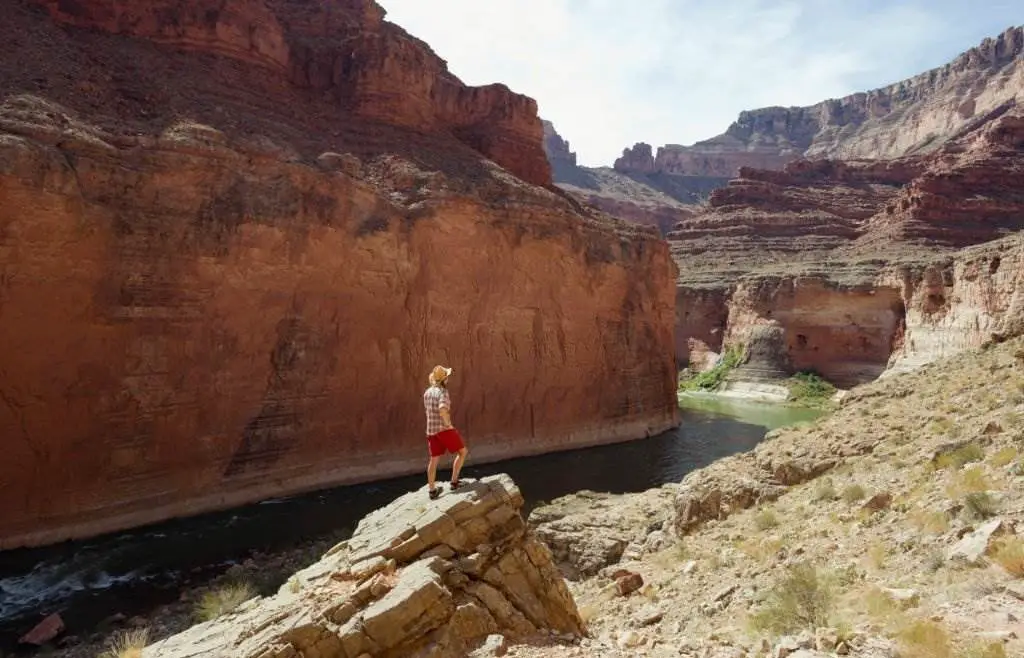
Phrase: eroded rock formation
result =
(227, 264)
(343, 51)
(418, 578)
(655, 200)
(863, 265)
(911, 116)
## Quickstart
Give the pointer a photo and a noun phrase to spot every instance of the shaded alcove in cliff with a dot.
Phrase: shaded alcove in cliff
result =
(845, 335)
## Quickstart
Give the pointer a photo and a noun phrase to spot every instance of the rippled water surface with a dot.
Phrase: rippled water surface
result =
(130, 572)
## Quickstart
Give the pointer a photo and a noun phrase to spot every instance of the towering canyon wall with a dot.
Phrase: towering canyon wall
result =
(915, 116)
(857, 268)
(227, 262)
(911, 116)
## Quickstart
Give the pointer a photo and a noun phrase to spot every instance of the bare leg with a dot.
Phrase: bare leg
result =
(432, 472)
(460, 459)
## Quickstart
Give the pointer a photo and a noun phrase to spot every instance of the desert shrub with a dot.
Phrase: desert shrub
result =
(980, 505)
(809, 388)
(825, 490)
(802, 599)
(955, 459)
(765, 519)
(853, 492)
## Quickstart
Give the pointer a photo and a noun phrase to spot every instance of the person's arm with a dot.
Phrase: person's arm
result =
(444, 406)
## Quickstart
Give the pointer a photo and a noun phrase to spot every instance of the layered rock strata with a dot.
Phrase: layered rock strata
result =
(342, 51)
(418, 578)
(863, 265)
(227, 264)
(911, 116)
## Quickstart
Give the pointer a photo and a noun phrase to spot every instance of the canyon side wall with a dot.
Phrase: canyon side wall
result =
(909, 316)
(219, 282)
(912, 116)
(967, 302)
(858, 268)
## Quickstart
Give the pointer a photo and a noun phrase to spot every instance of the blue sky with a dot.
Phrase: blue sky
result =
(610, 73)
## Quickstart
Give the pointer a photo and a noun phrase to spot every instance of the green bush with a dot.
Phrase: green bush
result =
(712, 379)
(809, 388)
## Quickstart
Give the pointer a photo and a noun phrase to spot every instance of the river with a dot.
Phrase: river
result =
(131, 572)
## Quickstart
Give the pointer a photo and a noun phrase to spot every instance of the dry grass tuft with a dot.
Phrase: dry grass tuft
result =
(986, 650)
(923, 638)
(931, 522)
(1009, 554)
(127, 644)
(223, 600)
(956, 459)
(1003, 457)
(970, 480)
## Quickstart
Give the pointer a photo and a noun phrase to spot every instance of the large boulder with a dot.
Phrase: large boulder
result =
(585, 537)
(422, 578)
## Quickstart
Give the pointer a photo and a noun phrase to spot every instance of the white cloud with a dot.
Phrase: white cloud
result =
(610, 73)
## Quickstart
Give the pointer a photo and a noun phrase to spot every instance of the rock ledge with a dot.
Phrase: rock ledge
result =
(418, 578)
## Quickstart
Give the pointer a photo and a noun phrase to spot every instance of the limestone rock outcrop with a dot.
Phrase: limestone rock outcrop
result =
(584, 538)
(418, 578)
(225, 270)
(911, 116)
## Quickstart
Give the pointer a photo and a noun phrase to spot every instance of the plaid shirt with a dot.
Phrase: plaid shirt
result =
(434, 399)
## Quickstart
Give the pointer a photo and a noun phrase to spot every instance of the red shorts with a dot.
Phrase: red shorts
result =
(444, 441)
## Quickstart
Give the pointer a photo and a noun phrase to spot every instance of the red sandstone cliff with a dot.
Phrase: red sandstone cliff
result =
(861, 265)
(235, 236)
(914, 115)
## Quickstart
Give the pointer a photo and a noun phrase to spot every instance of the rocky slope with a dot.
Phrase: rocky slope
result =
(422, 578)
(907, 117)
(893, 527)
(862, 265)
(234, 238)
